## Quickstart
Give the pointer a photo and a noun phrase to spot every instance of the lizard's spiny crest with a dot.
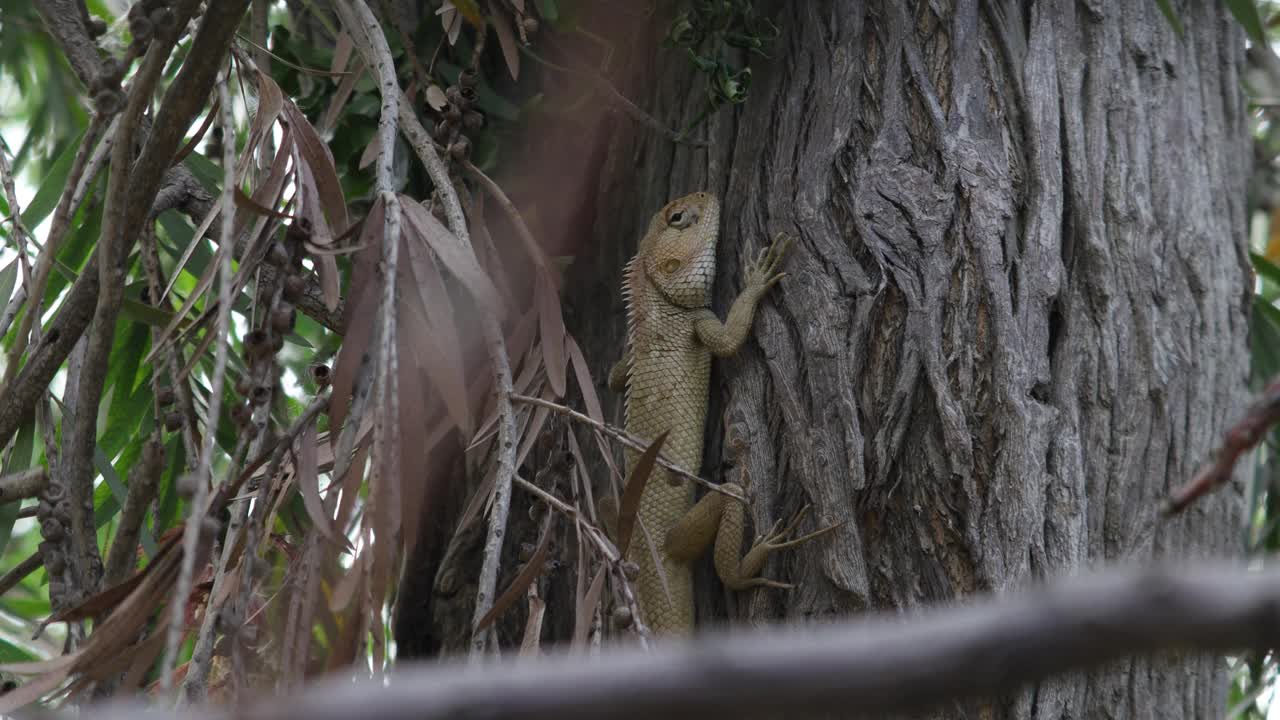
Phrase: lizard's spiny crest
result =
(679, 251)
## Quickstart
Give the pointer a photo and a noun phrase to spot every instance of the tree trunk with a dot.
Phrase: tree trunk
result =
(1015, 317)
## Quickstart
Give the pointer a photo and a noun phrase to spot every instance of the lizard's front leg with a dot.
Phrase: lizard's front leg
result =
(725, 338)
(721, 517)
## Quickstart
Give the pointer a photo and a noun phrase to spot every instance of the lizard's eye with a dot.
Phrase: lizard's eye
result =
(669, 266)
(680, 219)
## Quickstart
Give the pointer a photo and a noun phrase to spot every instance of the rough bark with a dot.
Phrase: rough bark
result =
(1015, 318)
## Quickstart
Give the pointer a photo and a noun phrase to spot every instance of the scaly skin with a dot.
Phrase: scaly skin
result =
(671, 336)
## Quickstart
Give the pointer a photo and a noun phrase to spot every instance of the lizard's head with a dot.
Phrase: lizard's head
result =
(679, 251)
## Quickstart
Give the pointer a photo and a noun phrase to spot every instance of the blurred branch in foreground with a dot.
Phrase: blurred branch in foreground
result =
(876, 665)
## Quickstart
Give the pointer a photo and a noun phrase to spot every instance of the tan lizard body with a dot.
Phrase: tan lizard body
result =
(671, 336)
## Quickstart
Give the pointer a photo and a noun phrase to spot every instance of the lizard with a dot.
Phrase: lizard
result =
(672, 334)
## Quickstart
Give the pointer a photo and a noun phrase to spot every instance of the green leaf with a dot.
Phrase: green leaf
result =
(205, 170)
(8, 279)
(1171, 16)
(547, 9)
(1246, 13)
(19, 459)
(1265, 267)
(52, 186)
(1264, 332)
(10, 653)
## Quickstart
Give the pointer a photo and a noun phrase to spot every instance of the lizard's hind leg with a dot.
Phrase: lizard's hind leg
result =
(721, 518)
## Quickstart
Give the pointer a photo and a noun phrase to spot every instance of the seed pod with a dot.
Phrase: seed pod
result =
(460, 149)
(142, 29)
(453, 94)
(62, 512)
(320, 375)
(278, 255)
(530, 24)
(163, 20)
(277, 343)
(260, 394)
(282, 319)
(97, 27)
(243, 387)
(256, 345)
(173, 421)
(299, 231)
(453, 115)
(468, 78)
(472, 120)
(631, 570)
(108, 101)
(622, 617)
(526, 552)
(241, 414)
(441, 131)
(52, 530)
(293, 286)
(166, 396)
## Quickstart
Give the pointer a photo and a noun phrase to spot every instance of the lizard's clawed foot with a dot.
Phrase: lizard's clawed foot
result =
(763, 273)
(778, 538)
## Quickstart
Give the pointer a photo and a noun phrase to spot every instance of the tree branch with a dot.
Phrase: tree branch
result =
(881, 665)
(22, 485)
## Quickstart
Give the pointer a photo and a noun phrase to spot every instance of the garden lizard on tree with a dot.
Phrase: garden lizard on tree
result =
(665, 371)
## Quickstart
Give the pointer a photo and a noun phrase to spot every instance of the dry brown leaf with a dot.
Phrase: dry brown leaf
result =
(270, 102)
(358, 318)
(532, 640)
(342, 48)
(486, 252)
(308, 480)
(531, 432)
(457, 259)
(551, 328)
(524, 578)
(316, 156)
(507, 39)
(583, 375)
(436, 98)
(244, 202)
(630, 501)
(329, 120)
(345, 589)
(144, 657)
(327, 266)
(438, 350)
(32, 691)
(587, 608)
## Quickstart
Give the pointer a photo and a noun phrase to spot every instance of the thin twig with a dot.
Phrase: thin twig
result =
(1261, 415)
(19, 572)
(628, 440)
(368, 37)
(204, 469)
